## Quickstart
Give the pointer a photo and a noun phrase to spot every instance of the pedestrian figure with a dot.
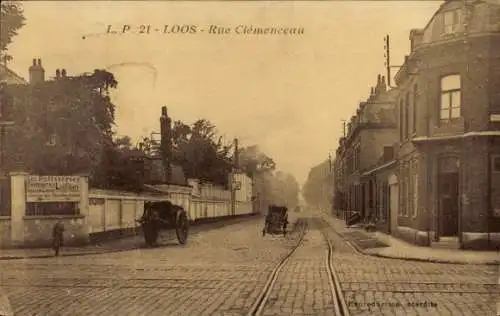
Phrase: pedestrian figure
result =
(266, 223)
(285, 224)
(57, 237)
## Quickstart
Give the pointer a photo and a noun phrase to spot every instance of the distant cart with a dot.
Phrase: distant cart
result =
(276, 220)
(163, 215)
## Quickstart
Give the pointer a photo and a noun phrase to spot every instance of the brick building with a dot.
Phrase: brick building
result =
(369, 133)
(448, 158)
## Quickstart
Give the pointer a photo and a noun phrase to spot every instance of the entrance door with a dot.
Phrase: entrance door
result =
(394, 206)
(448, 203)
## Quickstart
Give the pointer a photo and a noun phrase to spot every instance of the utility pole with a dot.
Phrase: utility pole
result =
(330, 161)
(236, 154)
(387, 57)
(233, 182)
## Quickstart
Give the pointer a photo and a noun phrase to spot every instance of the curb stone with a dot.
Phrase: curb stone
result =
(439, 261)
(75, 254)
(109, 251)
(442, 261)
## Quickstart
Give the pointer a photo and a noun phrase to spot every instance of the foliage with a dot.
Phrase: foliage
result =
(117, 168)
(285, 189)
(253, 161)
(63, 126)
(11, 20)
(270, 186)
(200, 152)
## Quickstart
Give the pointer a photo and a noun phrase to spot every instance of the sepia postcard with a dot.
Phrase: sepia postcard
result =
(227, 158)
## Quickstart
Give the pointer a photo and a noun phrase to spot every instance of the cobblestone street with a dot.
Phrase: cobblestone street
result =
(219, 272)
(379, 286)
(303, 285)
(222, 272)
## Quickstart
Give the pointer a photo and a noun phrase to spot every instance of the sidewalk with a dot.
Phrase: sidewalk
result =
(125, 244)
(382, 245)
(115, 245)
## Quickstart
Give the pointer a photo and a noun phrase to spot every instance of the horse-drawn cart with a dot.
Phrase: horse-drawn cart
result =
(276, 220)
(163, 215)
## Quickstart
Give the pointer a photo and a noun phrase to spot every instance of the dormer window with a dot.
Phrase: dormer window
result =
(52, 140)
(451, 21)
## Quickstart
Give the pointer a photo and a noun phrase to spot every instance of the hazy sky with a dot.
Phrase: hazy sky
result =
(288, 94)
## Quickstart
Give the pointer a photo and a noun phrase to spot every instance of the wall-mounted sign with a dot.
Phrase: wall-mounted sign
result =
(53, 189)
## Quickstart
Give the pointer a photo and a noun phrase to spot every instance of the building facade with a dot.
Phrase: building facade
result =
(7, 77)
(448, 157)
(369, 133)
(379, 192)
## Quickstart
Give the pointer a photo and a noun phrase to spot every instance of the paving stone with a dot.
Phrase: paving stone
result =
(216, 270)
(221, 272)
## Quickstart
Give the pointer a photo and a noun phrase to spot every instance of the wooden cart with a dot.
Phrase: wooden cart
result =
(163, 215)
(276, 220)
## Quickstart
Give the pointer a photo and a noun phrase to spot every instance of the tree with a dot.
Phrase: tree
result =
(254, 162)
(11, 20)
(285, 189)
(200, 152)
(124, 142)
(63, 126)
(270, 186)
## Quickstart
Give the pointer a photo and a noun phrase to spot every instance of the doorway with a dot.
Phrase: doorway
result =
(447, 195)
(393, 203)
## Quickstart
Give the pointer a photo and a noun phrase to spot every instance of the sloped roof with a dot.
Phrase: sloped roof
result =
(10, 77)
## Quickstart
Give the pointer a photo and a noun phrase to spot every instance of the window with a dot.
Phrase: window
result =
(409, 192)
(385, 201)
(357, 157)
(407, 114)
(415, 106)
(401, 119)
(450, 97)
(451, 21)
(4, 196)
(52, 140)
(402, 193)
(415, 190)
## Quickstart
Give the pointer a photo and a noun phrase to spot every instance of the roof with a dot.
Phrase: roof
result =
(10, 77)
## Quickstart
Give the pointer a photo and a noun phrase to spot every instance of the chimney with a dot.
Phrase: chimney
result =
(36, 71)
(383, 85)
(166, 143)
(58, 74)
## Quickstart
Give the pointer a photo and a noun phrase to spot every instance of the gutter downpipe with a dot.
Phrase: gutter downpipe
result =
(490, 205)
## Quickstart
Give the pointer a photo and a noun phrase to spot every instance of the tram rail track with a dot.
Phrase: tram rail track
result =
(339, 303)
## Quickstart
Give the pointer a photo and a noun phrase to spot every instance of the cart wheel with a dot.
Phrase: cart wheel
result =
(181, 227)
(150, 234)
